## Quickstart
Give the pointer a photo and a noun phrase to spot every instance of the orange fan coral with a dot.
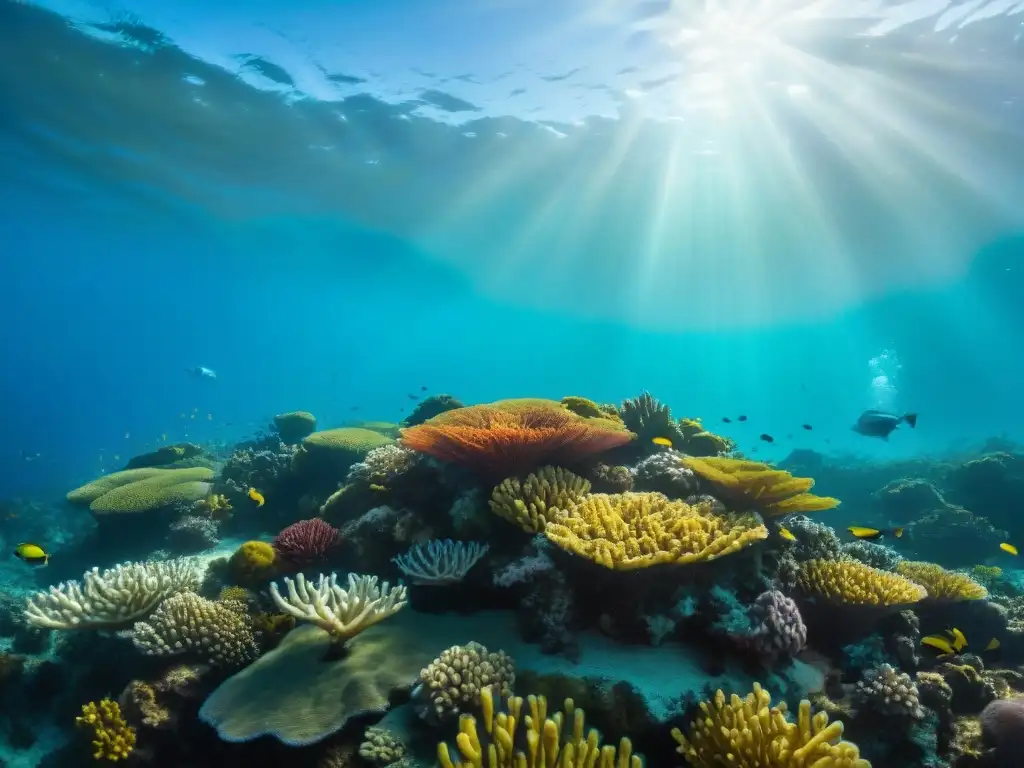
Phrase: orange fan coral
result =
(512, 437)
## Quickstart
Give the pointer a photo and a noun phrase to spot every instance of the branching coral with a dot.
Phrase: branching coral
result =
(113, 599)
(452, 682)
(112, 738)
(888, 692)
(306, 541)
(542, 496)
(188, 623)
(940, 583)
(637, 530)
(850, 582)
(380, 747)
(559, 740)
(343, 613)
(751, 733)
(745, 484)
(440, 562)
(513, 436)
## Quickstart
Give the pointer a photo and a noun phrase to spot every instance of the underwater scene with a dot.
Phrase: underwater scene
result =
(512, 383)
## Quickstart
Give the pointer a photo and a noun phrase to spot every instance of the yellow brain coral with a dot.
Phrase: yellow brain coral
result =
(751, 733)
(166, 487)
(940, 583)
(636, 530)
(747, 484)
(542, 496)
(253, 561)
(559, 740)
(851, 582)
(113, 739)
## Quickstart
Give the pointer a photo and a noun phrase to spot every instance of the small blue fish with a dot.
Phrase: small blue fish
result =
(881, 424)
(201, 372)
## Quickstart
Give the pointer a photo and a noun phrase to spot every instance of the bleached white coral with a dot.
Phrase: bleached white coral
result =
(112, 599)
(440, 562)
(344, 613)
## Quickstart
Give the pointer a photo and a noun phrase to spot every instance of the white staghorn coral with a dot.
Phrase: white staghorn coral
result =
(440, 562)
(344, 613)
(115, 598)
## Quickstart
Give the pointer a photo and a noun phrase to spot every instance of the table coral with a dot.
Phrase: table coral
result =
(452, 682)
(750, 733)
(637, 530)
(744, 485)
(115, 598)
(850, 582)
(940, 583)
(541, 496)
(294, 426)
(113, 738)
(556, 740)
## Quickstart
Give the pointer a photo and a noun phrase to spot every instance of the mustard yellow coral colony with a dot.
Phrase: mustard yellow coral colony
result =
(112, 738)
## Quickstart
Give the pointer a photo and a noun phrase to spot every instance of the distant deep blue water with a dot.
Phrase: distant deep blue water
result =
(164, 205)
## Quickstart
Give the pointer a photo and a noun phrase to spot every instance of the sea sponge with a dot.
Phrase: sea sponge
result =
(294, 426)
(381, 747)
(89, 492)
(851, 582)
(637, 530)
(747, 485)
(253, 562)
(511, 437)
(188, 623)
(116, 598)
(751, 733)
(940, 583)
(452, 682)
(343, 613)
(112, 738)
(888, 692)
(166, 487)
(541, 496)
(558, 740)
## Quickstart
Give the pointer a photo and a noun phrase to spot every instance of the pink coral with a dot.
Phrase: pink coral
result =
(306, 541)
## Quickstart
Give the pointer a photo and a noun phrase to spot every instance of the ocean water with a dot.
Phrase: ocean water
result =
(792, 211)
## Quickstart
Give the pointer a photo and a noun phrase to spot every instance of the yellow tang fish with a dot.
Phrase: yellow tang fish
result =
(785, 533)
(993, 645)
(938, 642)
(664, 441)
(959, 641)
(257, 497)
(1008, 548)
(32, 554)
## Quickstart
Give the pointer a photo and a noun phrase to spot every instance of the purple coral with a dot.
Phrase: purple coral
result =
(777, 628)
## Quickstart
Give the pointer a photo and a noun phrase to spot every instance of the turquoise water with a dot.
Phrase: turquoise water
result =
(790, 211)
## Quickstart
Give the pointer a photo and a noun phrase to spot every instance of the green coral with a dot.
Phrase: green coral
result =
(162, 489)
(337, 449)
(294, 426)
(88, 493)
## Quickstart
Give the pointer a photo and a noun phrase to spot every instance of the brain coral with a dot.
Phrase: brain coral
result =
(299, 694)
(253, 561)
(168, 486)
(851, 582)
(636, 530)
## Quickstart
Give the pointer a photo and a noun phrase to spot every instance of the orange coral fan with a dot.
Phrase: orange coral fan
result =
(511, 437)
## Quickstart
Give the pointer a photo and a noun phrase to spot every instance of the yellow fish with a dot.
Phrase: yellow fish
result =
(787, 534)
(257, 497)
(32, 554)
(663, 441)
(871, 534)
(993, 645)
(938, 642)
(1008, 548)
(959, 641)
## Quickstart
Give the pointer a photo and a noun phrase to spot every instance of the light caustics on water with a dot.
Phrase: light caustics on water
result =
(884, 369)
(669, 163)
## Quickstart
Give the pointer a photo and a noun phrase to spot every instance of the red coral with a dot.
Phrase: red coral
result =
(306, 541)
(512, 437)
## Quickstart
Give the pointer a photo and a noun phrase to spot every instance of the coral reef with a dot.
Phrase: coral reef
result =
(219, 633)
(940, 583)
(875, 555)
(888, 692)
(429, 407)
(380, 747)
(190, 534)
(157, 488)
(253, 562)
(453, 681)
(776, 628)
(541, 496)
(294, 426)
(850, 582)
(753, 485)
(440, 562)
(306, 542)
(664, 472)
(112, 738)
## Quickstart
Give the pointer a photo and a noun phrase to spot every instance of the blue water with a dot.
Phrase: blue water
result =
(336, 206)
